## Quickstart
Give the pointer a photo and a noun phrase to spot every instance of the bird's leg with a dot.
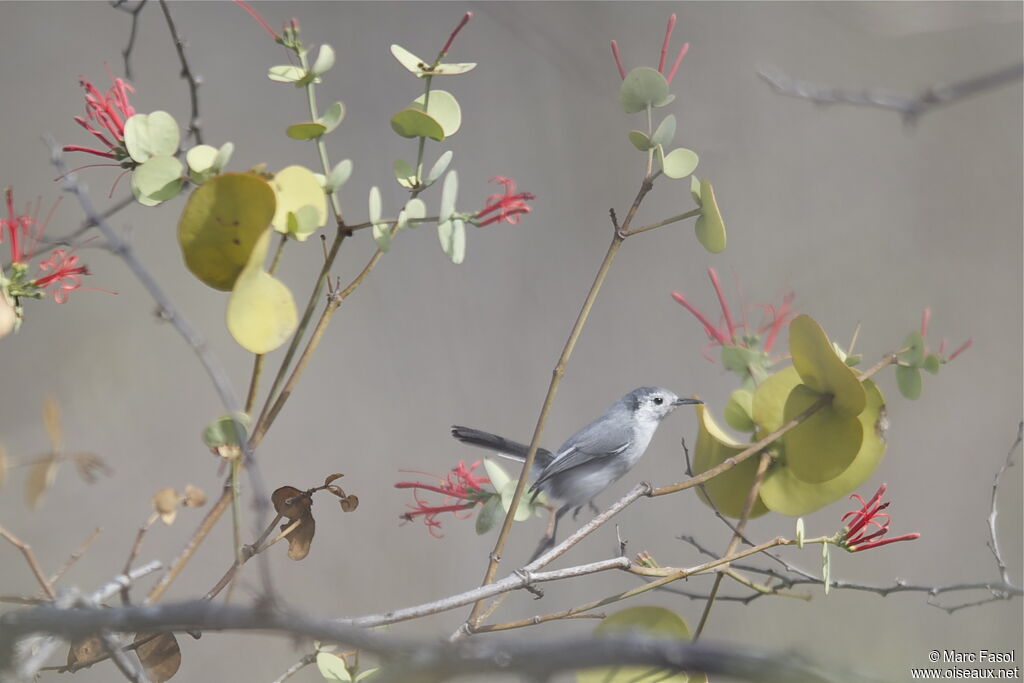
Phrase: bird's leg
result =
(548, 542)
(593, 508)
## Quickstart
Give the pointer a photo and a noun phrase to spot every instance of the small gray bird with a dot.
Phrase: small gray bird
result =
(593, 458)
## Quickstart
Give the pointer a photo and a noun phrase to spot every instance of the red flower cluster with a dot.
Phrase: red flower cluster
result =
(729, 333)
(461, 490)
(926, 317)
(107, 111)
(664, 51)
(859, 535)
(23, 232)
(508, 205)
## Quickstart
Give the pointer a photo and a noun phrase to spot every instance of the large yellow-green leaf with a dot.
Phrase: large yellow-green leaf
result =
(729, 490)
(823, 445)
(710, 228)
(261, 313)
(821, 368)
(301, 203)
(787, 494)
(220, 225)
(657, 622)
(769, 404)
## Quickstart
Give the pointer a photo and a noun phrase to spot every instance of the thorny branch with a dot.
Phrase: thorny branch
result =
(911, 107)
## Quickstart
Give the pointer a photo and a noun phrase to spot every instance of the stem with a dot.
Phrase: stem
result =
(673, 219)
(30, 558)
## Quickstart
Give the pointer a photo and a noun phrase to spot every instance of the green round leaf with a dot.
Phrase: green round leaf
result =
(309, 130)
(488, 515)
(201, 158)
(452, 234)
(679, 163)
(453, 69)
(405, 174)
(643, 87)
(914, 355)
(496, 473)
(224, 432)
(651, 621)
(221, 223)
(932, 363)
(729, 490)
(407, 59)
(324, 60)
(339, 175)
(415, 208)
(332, 117)
(286, 73)
(443, 108)
(261, 314)
(908, 380)
(151, 135)
(449, 193)
(413, 123)
(739, 409)
(710, 227)
(439, 167)
(821, 368)
(769, 404)
(823, 446)
(640, 140)
(507, 493)
(374, 204)
(665, 132)
(332, 667)
(156, 180)
(297, 190)
(695, 189)
(787, 494)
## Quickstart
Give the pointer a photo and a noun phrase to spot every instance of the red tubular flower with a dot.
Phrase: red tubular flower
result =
(661, 58)
(260, 20)
(62, 273)
(508, 205)
(451, 38)
(461, 490)
(108, 112)
(869, 524)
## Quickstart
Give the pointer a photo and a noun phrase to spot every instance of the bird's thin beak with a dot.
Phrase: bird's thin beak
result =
(687, 401)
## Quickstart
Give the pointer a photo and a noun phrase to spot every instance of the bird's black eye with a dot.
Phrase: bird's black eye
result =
(658, 400)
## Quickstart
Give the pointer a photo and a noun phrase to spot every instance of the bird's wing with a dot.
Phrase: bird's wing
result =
(587, 446)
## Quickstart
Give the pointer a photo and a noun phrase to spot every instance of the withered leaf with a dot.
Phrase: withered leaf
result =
(301, 537)
(85, 652)
(51, 418)
(160, 655)
(165, 502)
(194, 496)
(349, 503)
(291, 503)
(40, 478)
(89, 466)
(332, 477)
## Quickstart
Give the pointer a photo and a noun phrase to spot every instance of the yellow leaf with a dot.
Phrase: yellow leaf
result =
(261, 313)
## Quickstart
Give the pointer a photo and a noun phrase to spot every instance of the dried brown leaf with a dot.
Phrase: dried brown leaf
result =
(51, 418)
(85, 652)
(40, 478)
(332, 477)
(89, 465)
(349, 503)
(301, 537)
(195, 497)
(166, 502)
(291, 503)
(160, 655)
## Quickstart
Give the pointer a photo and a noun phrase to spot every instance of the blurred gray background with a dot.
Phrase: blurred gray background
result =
(866, 220)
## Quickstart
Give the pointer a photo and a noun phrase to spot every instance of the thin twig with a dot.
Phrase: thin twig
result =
(993, 512)
(911, 107)
(194, 122)
(75, 556)
(126, 53)
(131, 668)
(296, 667)
(30, 558)
(133, 553)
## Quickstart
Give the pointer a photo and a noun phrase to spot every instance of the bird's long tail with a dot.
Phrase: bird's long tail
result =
(502, 446)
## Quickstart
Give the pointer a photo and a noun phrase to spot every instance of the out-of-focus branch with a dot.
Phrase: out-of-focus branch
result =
(434, 660)
(911, 107)
(194, 123)
(126, 53)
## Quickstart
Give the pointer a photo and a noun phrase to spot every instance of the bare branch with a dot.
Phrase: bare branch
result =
(430, 658)
(993, 536)
(910, 106)
(126, 53)
(194, 123)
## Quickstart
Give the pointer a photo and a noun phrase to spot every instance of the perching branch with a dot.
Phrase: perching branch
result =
(431, 659)
(911, 107)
